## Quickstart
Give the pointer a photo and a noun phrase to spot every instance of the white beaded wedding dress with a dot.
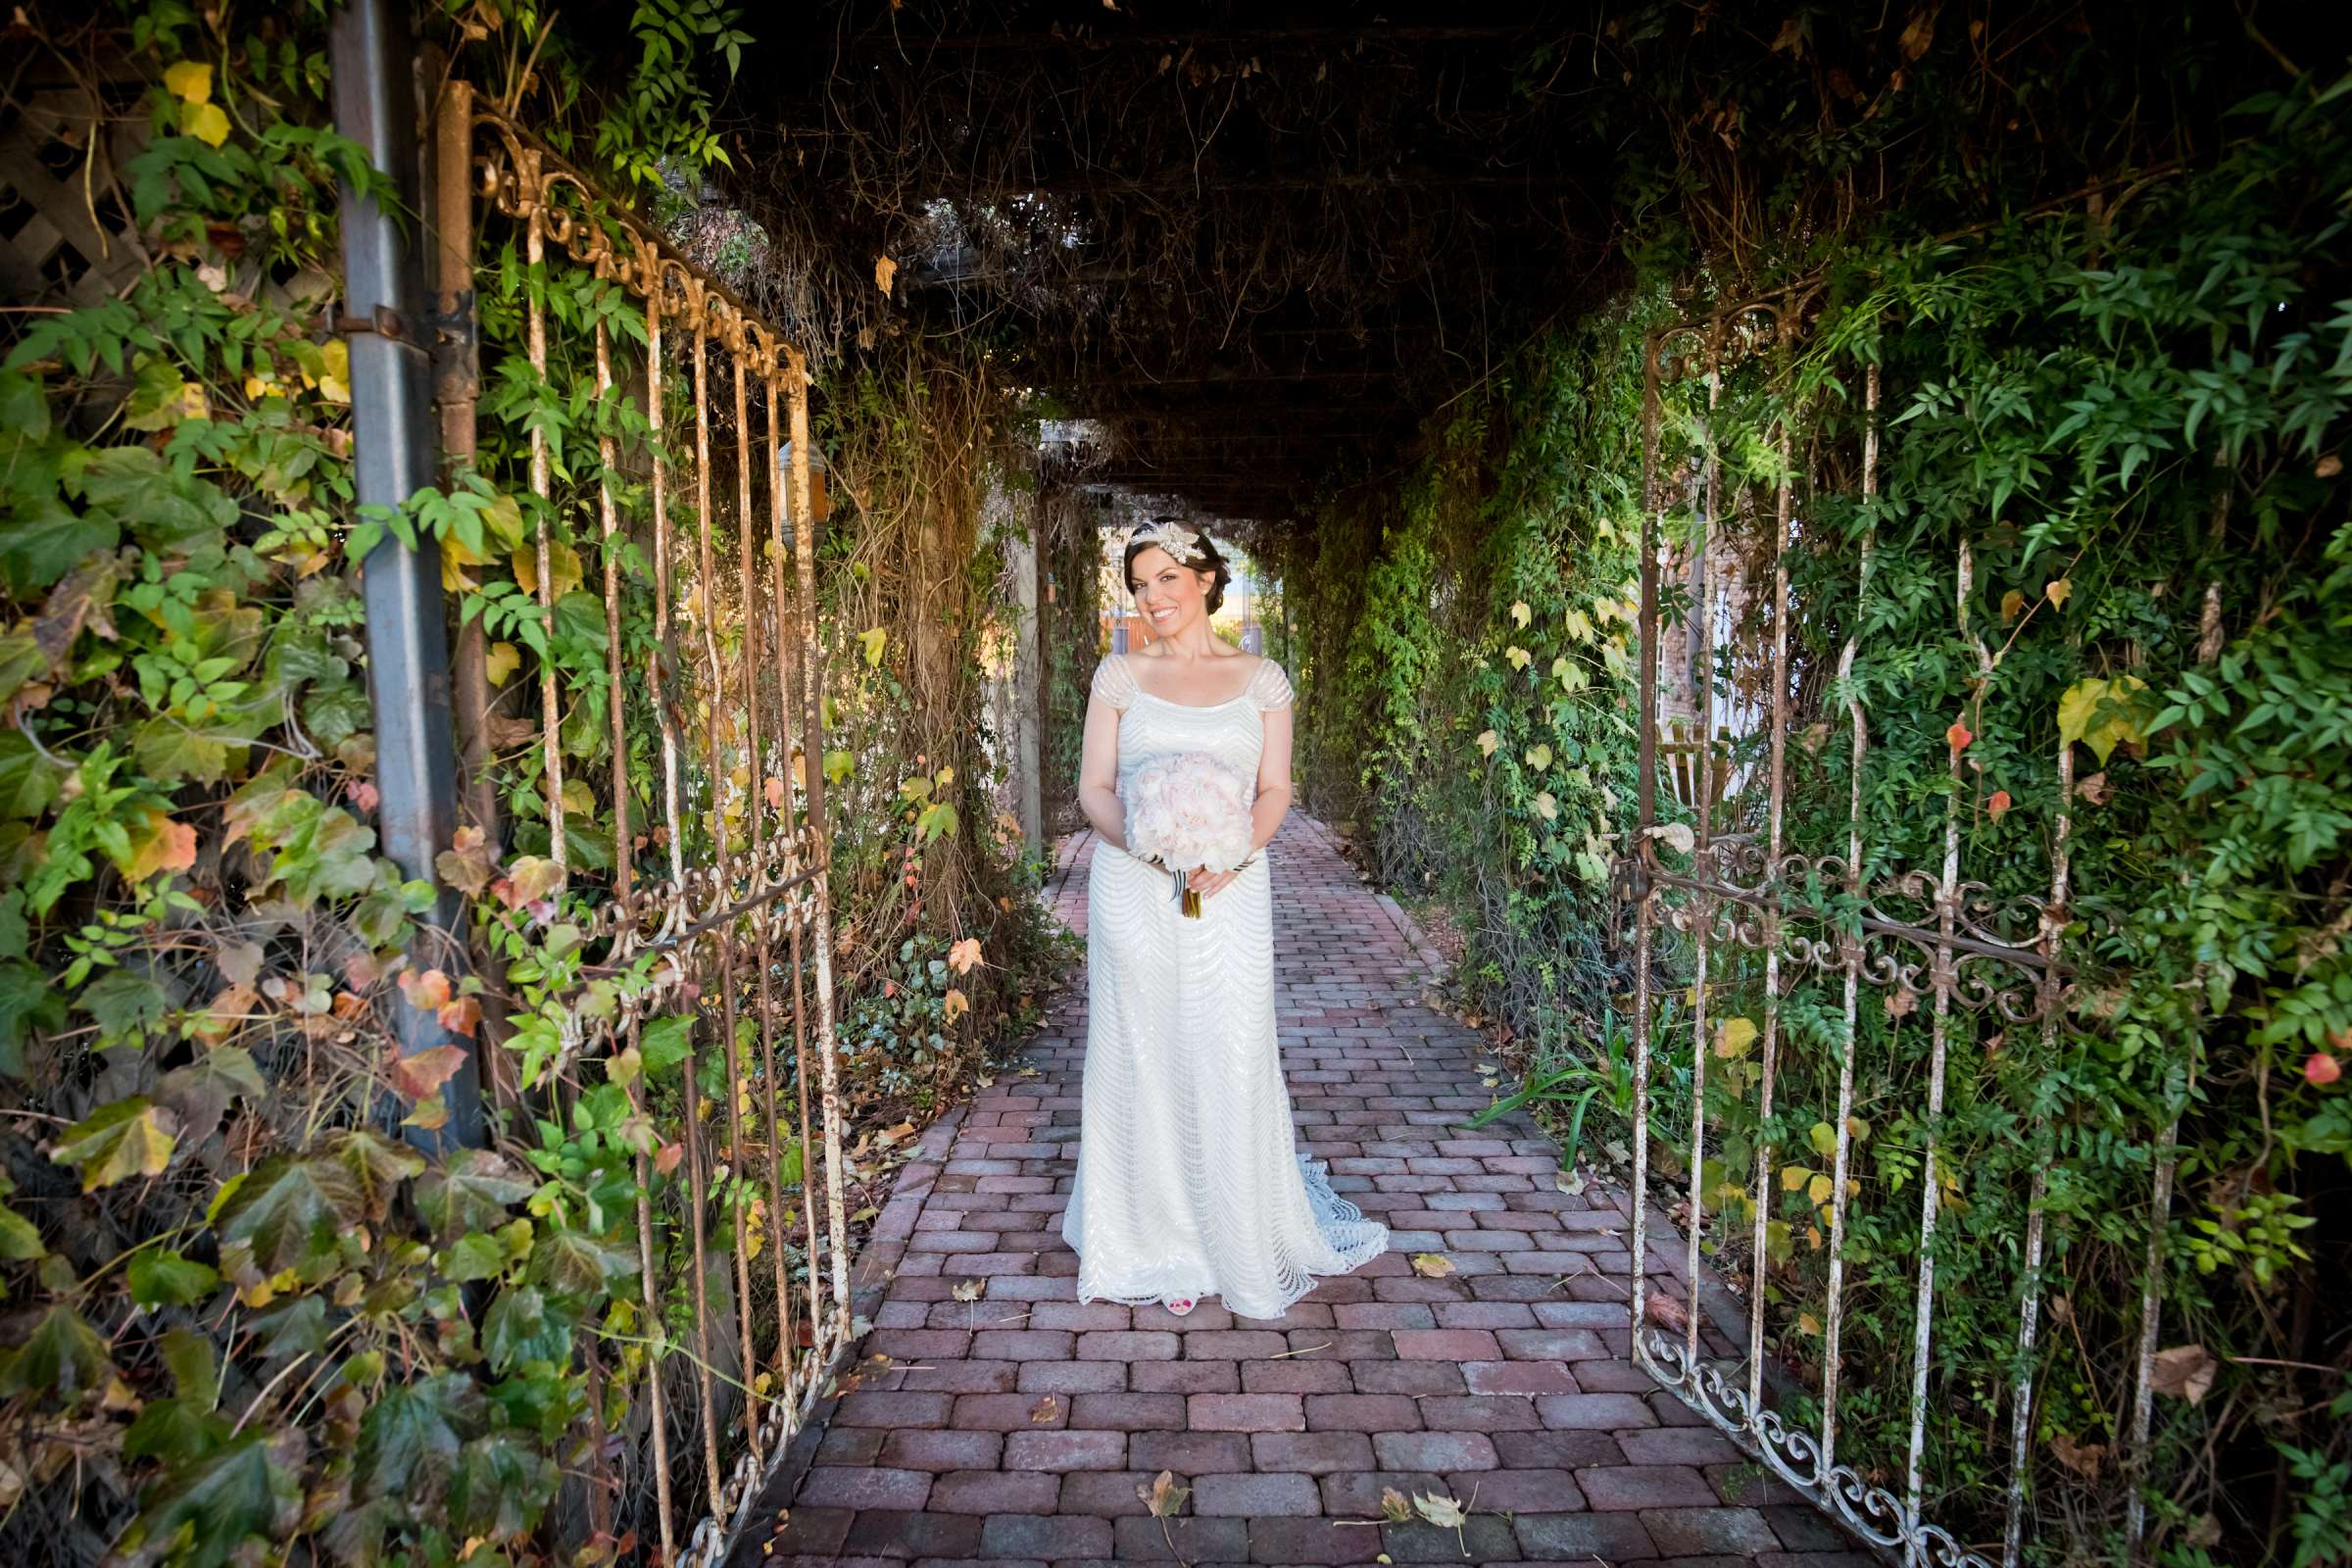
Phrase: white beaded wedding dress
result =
(1189, 1180)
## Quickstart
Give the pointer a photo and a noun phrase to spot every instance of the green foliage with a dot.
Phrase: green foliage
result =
(245, 1321)
(2132, 421)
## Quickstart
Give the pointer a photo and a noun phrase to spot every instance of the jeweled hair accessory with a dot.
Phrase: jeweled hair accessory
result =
(1180, 543)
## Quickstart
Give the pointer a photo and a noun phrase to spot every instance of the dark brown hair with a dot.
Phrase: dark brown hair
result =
(1211, 560)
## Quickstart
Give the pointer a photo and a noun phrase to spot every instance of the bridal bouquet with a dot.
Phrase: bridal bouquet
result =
(1190, 809)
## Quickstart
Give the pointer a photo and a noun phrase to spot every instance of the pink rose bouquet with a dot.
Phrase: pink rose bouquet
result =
(1188, 809)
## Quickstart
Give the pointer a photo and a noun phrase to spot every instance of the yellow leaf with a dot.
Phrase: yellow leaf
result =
(118, 1140)
(1432, 1265)
(335, 384)
(189, 81)
(2012, 603)
(1857, 1128)
(885, 272)
(1734, 1036)
(1539, 757)
(2058, 592)
(578, 797)
(1807, 1323)
(874, 638)
(500, 662)
(1824, 1139)
(1795, 1177)
(1546, 806)
(1820, 1189)
(1520, 614)
(207, 124)
(564, 564)
(1488, 740)
(1579, 627)
(1519, 656)
(957, 1004)
(964, 955)
(2080, 704)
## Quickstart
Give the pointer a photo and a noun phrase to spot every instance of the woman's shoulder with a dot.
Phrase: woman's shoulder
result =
(1269, 685)
(1113, 682)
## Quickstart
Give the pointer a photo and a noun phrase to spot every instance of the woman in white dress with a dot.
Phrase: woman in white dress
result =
(1189, 1180)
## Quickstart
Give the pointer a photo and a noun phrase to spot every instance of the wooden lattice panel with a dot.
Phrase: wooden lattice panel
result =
(66, 237)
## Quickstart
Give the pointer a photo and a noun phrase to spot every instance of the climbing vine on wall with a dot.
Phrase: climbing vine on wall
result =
(242, 1317)
(2131, 411)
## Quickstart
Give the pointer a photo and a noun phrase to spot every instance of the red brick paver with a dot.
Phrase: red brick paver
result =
(1504, 1384)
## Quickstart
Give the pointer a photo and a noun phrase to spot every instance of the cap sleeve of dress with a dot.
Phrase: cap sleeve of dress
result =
(1114, 683)
(1270, 688)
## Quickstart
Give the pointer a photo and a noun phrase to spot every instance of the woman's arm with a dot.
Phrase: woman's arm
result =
(1099, 773)
(1273, 802)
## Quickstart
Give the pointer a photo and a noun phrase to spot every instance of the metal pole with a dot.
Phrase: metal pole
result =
(392, 447)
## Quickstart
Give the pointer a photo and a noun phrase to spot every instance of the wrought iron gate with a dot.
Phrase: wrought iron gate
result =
(713, 727)
(1724, 906)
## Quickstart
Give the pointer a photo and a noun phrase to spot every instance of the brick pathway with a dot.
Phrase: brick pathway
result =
(1017, 1427)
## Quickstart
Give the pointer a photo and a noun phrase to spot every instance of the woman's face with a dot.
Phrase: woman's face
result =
(1170, 593)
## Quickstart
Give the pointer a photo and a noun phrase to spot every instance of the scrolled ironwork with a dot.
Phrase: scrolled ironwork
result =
(1869, 1510)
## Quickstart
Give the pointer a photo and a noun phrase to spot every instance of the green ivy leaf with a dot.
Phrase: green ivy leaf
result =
(498, 1487)
(168, 512)
(201, 1515)
(128, 1138)
(523, 1326)
(665, 1042)
(63, 1356)
(175, 1430)
(411, 1435)
(572, 1260)
(475, 1256)
(29, 784)
(20, 1239)
(25, 998)
(195, 1369)
(125, 1003)
(287, 1211)
(41, 539)
(469, 1192)
(170, 751)
(160, 1278)
(377, 1166)
(22, 662)
(291, 1328)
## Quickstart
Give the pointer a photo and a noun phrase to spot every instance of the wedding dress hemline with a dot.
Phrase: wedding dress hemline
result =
(1353, 1241)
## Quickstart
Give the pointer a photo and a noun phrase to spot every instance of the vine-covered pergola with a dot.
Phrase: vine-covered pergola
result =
(1259, 244)
(540, 688)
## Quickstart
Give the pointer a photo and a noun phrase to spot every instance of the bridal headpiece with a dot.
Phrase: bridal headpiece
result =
(1180, 543)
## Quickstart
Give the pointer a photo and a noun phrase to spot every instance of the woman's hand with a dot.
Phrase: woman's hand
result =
(1209, 884)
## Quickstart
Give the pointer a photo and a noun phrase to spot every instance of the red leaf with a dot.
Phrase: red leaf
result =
(1667, 1313)
(1998, 804)
(462, 1016)
(667, 1158)
(430, 988)
(2322, 1068)
(421, 1075)
(1959, 736)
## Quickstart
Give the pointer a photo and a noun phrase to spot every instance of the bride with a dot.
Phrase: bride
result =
(1190, 1182)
